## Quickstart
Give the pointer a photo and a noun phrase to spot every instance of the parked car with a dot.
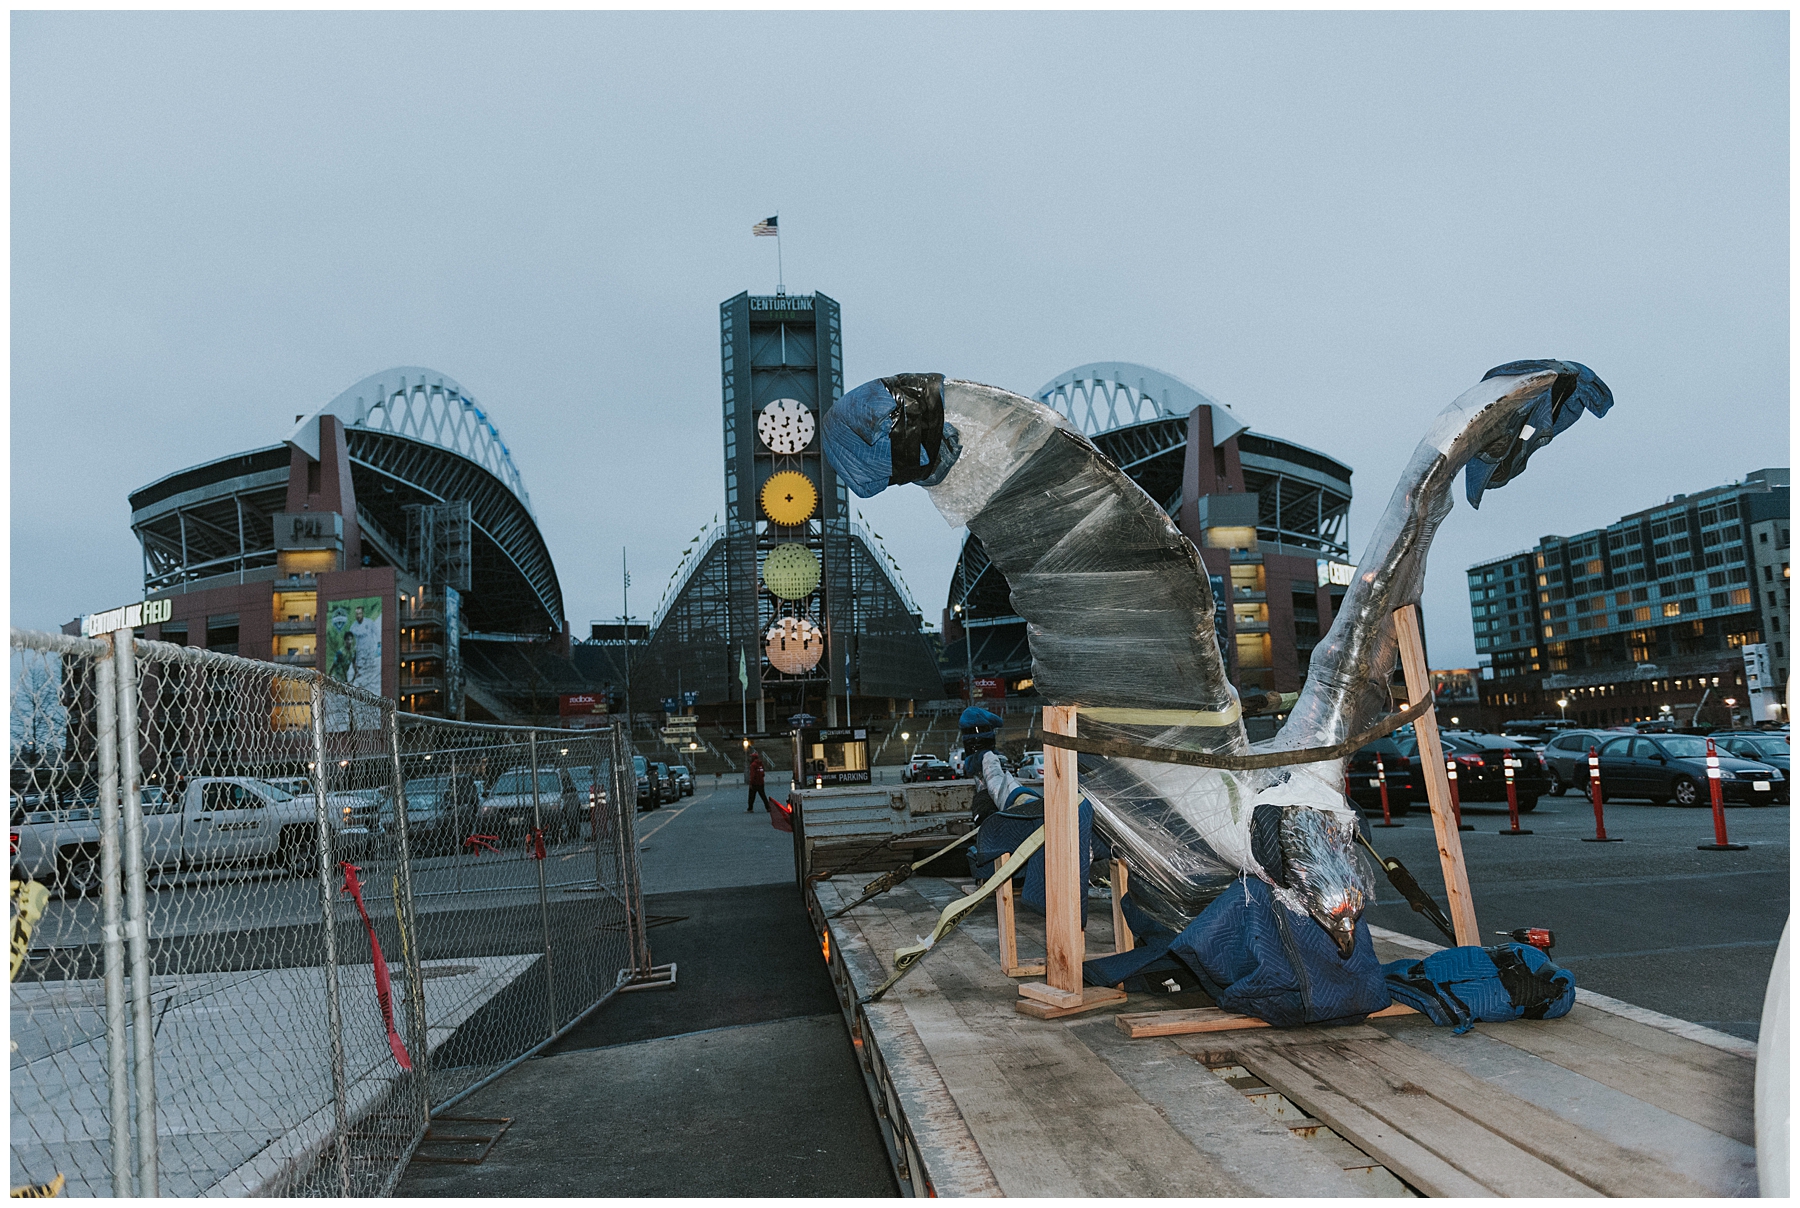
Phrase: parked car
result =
(298, 786)
(440, 812)
(1763, 746)
(1481, 771)
(592, 791)
(1672, 767)
(647, 796)
(934, 769)
(1567, 759)
(665, 782)
(684, 780)
(1031, 768)
(511, 810)
(1364, 778)
(217, 822)
(911, 770)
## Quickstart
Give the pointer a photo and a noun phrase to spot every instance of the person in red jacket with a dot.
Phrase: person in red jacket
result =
(753, 776)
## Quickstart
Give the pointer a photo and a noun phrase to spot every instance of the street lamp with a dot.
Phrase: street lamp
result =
(1562, 702)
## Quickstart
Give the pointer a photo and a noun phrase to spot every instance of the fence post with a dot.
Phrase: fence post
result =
(334, 1015)
(417, 1037)
(600, 791)
(537, 840)
(631, 874)
(137, 912)
(112, 909)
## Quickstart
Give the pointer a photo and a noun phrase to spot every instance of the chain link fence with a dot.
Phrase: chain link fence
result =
(266, 927)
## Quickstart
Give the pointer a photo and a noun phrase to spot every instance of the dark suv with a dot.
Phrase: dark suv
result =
(1672, 767)
(664, 782)
(1481, 769)
(1567, 758)
(1396, 765)
(512, 809)
(648, 798)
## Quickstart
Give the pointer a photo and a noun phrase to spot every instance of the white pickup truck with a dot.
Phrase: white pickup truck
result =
(219, 821)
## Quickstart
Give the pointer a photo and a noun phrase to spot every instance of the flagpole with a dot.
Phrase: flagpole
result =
(780, 278)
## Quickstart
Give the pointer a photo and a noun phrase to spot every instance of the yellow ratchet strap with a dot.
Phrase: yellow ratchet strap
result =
(953, 914)
(28, 901)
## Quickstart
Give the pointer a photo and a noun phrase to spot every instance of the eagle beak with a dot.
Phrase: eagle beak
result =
(1342, 930)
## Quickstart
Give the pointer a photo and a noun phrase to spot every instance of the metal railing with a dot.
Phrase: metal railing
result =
(265, 925)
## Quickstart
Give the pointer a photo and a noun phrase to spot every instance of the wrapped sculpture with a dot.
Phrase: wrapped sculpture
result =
(1119, 612)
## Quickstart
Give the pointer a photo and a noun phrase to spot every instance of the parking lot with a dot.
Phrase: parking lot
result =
(1651, 920)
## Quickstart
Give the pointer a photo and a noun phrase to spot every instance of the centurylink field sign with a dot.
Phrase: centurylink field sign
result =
(131, 616)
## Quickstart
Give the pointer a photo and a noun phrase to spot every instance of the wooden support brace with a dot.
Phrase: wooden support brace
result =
(1009, 932)
(1064, 881)
(1437, 781)
(1123, 940)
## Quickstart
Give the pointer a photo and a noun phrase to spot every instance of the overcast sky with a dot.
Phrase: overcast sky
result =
(1333, 222)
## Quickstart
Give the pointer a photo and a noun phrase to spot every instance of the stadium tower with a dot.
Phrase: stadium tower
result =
(788, 589)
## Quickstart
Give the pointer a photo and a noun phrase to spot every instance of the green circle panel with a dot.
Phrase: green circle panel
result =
(791, 571)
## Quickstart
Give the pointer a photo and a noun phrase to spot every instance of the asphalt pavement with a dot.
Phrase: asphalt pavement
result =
(739, 1081)
(1651, 920)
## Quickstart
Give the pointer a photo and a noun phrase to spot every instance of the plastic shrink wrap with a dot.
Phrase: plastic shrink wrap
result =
(1119, 611)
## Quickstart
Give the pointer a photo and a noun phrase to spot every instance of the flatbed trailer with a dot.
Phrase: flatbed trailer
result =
(975, 1098)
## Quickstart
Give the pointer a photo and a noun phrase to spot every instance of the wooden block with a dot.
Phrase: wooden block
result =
(1051, 995)
(1207, 1019)
(1036, 970)
(1091, 997)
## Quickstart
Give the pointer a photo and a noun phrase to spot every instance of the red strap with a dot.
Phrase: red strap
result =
(537, 845)
(384, 990)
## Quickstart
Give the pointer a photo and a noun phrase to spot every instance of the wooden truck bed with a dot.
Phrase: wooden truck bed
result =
(976, 1098)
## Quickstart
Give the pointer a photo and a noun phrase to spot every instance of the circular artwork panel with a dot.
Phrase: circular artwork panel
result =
(786, 425)
(791, 571)
(795, 645)
(789, 498)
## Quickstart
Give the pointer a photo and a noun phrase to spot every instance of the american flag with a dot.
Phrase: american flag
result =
(767, 226)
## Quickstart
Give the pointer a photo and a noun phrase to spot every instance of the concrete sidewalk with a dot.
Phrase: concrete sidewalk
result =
(740, 1081)
(243, 1082)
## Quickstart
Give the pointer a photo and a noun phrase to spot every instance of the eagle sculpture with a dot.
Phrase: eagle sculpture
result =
(1119, 615)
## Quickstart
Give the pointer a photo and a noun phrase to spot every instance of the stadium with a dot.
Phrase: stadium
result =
(398, 502)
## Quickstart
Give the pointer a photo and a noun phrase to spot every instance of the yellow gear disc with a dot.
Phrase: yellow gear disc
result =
(789, 498)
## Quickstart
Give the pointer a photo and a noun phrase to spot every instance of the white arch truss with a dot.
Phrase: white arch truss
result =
(1115, 394)
(424, 405)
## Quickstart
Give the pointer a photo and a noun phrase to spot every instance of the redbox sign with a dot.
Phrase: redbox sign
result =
(578, 704)
(990, 689)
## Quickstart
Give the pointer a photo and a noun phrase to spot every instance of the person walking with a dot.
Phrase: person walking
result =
(753, 776)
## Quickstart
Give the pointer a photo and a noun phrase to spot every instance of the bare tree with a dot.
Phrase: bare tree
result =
(40, 719)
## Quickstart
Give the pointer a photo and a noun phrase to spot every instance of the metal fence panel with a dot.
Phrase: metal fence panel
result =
(352, 917)
(519, 885)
